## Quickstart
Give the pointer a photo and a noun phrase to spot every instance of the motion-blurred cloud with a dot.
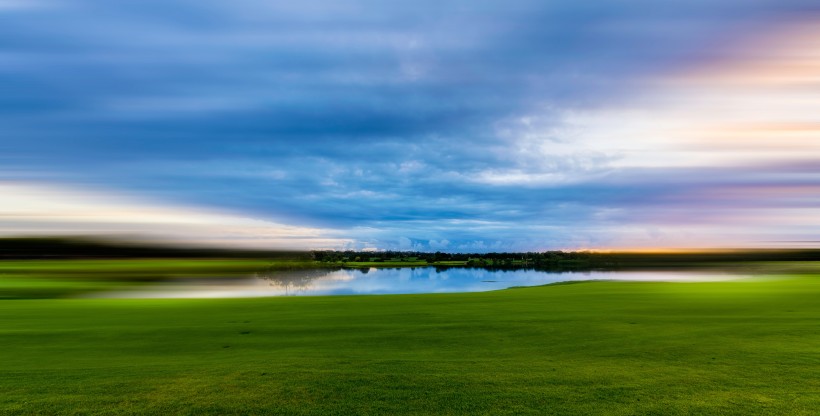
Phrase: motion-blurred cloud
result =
(446, 125)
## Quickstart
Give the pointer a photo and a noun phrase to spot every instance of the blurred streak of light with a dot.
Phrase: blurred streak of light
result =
(38, 209)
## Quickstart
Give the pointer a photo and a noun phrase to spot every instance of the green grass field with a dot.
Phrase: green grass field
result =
(25, 279)
(742, 348)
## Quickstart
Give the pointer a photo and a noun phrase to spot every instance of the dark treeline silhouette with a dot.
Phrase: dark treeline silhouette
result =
(94, 248)
(572, 260)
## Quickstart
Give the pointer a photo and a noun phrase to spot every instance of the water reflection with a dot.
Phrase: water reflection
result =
(395, 281)
(294, 281)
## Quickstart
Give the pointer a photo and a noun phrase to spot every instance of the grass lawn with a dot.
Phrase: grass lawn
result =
(740, 348)
(21, 279)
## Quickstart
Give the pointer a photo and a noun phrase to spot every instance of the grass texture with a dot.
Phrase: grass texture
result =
(621, 348)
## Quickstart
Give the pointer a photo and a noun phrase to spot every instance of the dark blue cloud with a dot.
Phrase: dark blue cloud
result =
(362, 115)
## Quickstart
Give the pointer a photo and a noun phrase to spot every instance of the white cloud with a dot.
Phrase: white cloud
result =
(439, 244)
(758, 106)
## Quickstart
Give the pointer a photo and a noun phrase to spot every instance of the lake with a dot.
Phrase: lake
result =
(375, 281)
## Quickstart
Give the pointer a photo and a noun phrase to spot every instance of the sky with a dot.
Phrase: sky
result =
(461, 126)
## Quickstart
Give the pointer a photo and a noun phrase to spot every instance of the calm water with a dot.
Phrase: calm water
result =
(392, 281)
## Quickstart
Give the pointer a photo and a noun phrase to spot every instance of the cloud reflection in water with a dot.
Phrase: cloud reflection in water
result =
(397, 281)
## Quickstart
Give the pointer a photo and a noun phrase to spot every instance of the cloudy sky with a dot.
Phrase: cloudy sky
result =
(424, 125)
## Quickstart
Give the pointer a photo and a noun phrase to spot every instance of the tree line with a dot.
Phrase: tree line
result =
(568, 260)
